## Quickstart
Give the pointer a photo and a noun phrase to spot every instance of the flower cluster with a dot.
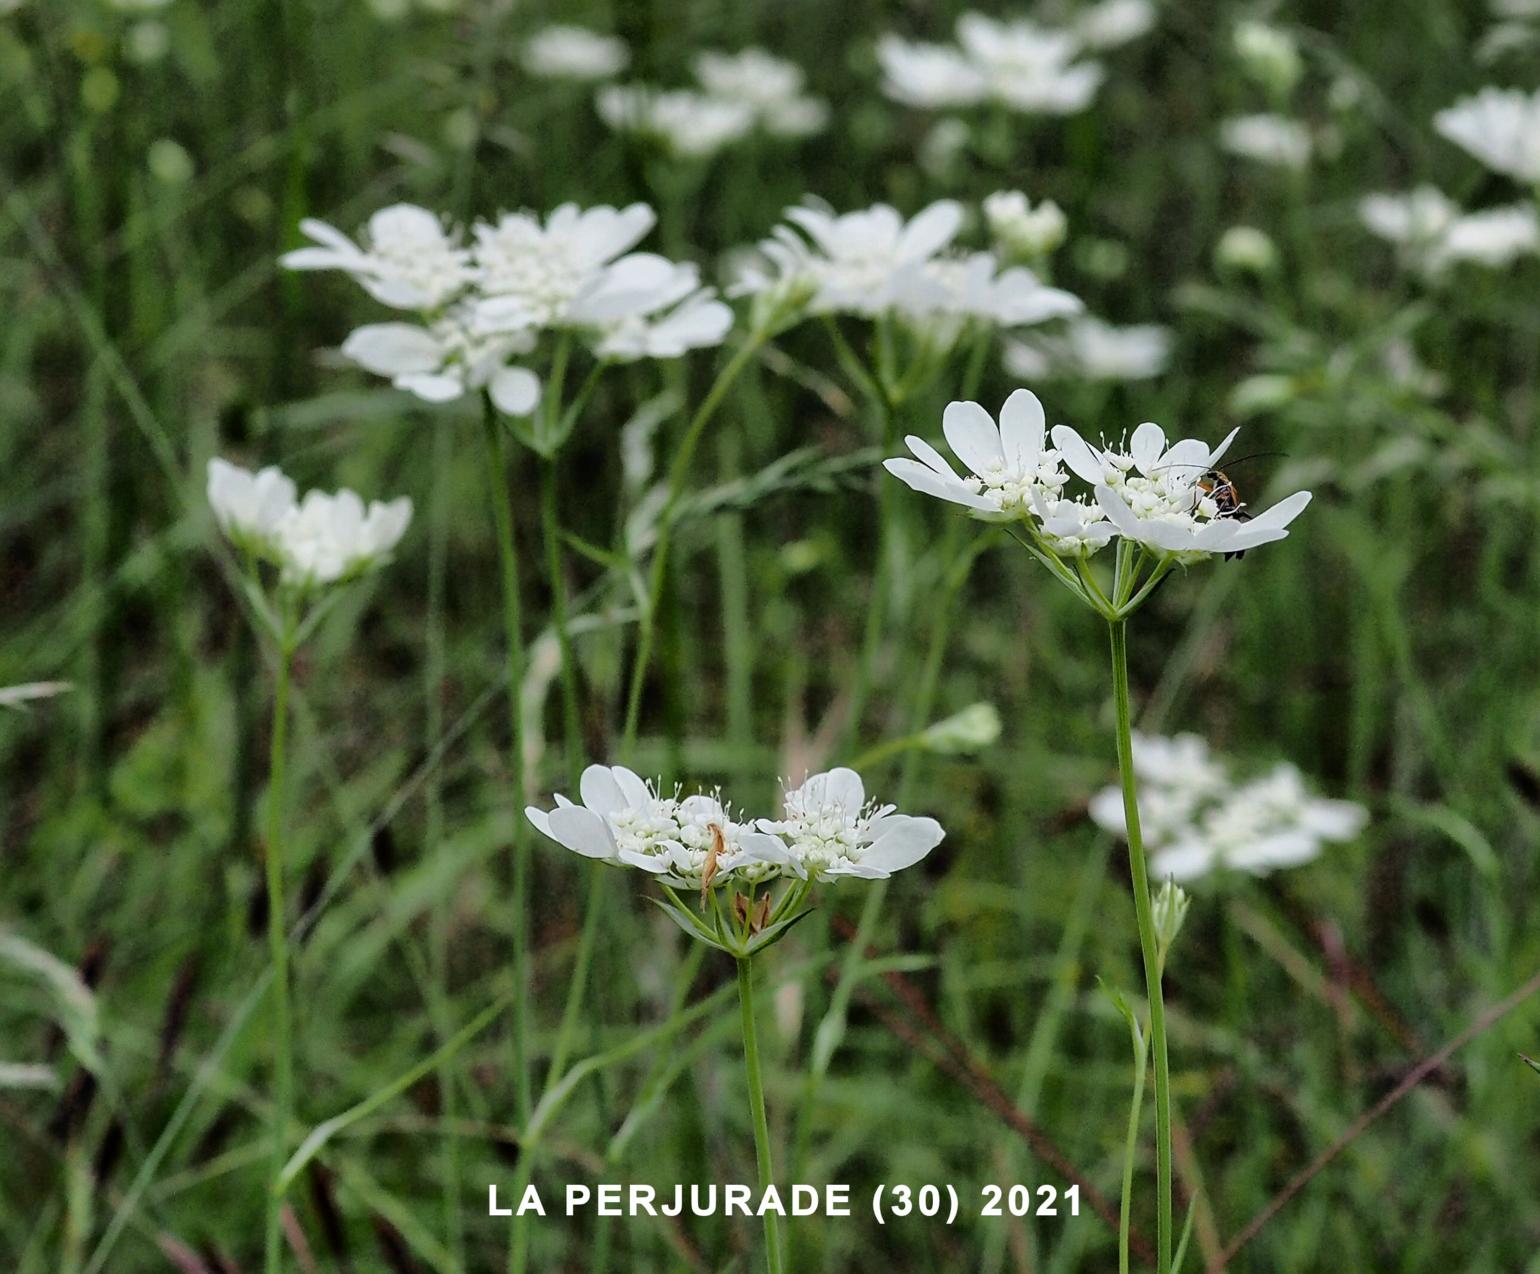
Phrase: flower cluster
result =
(1501, 128)
(1090, 349)
(1432, 233)
(1270, 139)
(323, 539)
(1021, 65)
(1163, 496)
(1196, 819)
(739, 94)
(563, 52)
(828, 829)
(484, 301)
(875, 264)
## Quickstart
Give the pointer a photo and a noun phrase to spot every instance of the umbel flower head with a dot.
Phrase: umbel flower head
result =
(903, 274)
(1198, 820)
(1500, 127)
(1165, 502)
(321, 540)
(828, 829)
(563, 52)
(485, 301)
(1432, 233)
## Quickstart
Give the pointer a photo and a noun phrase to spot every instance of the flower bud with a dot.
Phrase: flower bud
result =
(1269, 56)
(1170, 907)
(1024, 232)
(969, 731)
(1246, 249)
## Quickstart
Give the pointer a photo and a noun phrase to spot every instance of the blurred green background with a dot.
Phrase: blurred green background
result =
(155, 164)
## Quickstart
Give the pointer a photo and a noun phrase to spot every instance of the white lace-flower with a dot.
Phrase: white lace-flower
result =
(1028, 67)
(700, 321)
(623, 820)
(1196, 819)
(1113, 23)
(249, 506)
(832, 830)
(448, 359)
(1500, 127)
(975, 287)
(1268, 139)
(331, 537)
(1432, 233)
(1090, 349)
(568, 270)
(1155, 494)
(861, 262)
(319, 540)
(1008, 465)
(771, 87)
(928, 76)
(686, 123)
(407, 259)
(562, 52)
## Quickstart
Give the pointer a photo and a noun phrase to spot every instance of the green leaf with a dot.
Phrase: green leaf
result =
(774, 933)
(691, 924)
(1530, 1062)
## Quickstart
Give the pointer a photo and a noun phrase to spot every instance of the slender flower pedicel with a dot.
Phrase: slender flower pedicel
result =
(1165, 505)
(312, 546)
(828, 829)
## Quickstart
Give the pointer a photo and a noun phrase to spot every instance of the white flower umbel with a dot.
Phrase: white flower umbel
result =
(689, 842)
(561, 52)
(320, 540)
(1027, 67)
(684, 123)
(1114, 23)
(1023, 66)
(1007, 462)
(832, 830)
(249, 506)
(1500, 127)
(771, 87)
(903, 274)
(1199, 820)
(1167, 504)
(1268, 139)
(1089, 349)
(1432, 234)
(928, 76)
(485, 307)
(330, 537)
(406, 260)
(1164, 497)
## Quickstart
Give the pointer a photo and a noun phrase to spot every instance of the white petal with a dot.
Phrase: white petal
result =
(1083, 459)
(903, 843)
(972, 433)
(515, 390)
(391, 349)
(1022, 424)
(601, 791)
(1147, 446)
(927, 481)
(582, 831)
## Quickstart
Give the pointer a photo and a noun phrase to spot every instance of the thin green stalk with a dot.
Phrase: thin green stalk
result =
(890, 544)
(1147, 946)
(278, 947)
(678, 472)
(757, 1107)
(550, 522)
(1131, 1142)
(513, 635)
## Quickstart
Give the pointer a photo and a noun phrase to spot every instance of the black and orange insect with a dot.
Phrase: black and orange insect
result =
(1220, 488)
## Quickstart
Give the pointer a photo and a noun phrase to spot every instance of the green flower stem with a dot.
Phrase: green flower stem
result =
(678, 472)
(513, 634)
(278, 946)
(550, 523)
(757, 1107)
(1147, 945)
(1131, 1142)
